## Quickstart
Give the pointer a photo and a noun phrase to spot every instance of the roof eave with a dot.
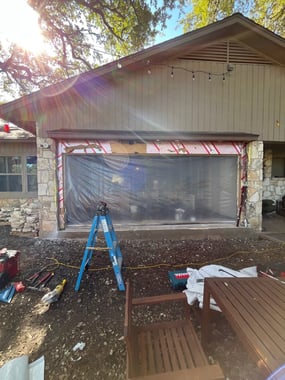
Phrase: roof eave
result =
(238, 26)
(143, 136)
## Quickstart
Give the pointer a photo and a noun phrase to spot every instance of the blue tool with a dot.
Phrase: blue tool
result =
(103, 219)
(7, 294)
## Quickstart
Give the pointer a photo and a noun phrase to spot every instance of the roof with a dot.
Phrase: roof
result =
(238, 27)
(15, 133)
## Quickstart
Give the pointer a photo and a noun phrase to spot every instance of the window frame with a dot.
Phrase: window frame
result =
(24, 175)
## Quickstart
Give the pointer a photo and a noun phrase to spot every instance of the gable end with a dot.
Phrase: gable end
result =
(230, 51)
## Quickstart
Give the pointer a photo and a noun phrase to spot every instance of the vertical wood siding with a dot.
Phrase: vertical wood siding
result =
(251, 99)
(17, 148)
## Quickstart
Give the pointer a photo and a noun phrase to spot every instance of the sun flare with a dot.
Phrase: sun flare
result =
(19, 24)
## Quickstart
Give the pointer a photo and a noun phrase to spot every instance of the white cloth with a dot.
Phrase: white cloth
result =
(195, 283)
(20, 369)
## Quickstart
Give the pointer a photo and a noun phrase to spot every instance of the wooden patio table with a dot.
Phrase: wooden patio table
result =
(255, 309)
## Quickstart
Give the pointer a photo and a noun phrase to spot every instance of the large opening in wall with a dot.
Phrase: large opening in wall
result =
(146, 189)
(278, 159)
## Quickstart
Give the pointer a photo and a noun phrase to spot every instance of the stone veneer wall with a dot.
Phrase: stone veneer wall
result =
(273, 188)
(254, 185)
(21, 214)
(47, 186)
(38, 216)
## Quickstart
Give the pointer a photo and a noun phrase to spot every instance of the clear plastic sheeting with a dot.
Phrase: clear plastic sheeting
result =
(151, 189)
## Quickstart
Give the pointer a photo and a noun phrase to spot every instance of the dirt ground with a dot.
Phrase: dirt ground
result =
(94, 316)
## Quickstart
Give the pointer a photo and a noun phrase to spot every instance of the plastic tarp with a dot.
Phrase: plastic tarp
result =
(195, 283)
(151, 189)
(20, 369)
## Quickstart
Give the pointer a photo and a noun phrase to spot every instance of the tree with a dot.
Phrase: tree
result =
(78, 32)
(268, 13)
(21, 71)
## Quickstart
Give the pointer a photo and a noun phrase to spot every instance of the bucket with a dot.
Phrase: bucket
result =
(179, 212)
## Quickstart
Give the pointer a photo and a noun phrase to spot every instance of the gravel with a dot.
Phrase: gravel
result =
(81, 335)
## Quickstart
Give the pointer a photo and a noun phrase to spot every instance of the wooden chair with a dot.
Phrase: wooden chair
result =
(165, 350)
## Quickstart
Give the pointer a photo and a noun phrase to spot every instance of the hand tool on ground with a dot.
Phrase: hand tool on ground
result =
(44, 284)
(54, 295)
(43, 280)
(44, 290)
(31, 280)
(19, 286)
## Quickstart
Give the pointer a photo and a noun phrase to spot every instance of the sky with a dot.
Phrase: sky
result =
(19, 22)
(173, 29)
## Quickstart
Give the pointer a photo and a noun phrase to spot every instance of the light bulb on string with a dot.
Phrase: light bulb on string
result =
(210, 77)
(172, 73)
(193, 75)
(6, 128)
(148, 69)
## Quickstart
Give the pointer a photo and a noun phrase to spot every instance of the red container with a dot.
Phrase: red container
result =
(10, 263)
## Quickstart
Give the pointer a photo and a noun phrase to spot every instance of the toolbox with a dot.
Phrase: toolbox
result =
(10, 262)
(178, 279)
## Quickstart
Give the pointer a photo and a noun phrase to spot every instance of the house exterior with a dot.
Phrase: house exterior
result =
(188, 131)
(18, 178)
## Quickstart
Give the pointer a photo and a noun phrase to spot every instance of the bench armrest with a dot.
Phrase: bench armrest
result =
(159, 299)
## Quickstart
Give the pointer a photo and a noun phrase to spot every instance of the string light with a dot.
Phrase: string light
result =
(193, 72)
(149, 69)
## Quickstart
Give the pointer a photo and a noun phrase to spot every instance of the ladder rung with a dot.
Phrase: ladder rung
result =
(99, 248)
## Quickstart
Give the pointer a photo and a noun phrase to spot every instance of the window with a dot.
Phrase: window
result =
(277, 150)
(18, 174)
(31, 168)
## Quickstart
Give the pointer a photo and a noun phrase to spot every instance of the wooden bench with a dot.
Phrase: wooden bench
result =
(165, 350)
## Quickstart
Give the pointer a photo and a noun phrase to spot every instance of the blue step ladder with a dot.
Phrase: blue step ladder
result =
(103, 219)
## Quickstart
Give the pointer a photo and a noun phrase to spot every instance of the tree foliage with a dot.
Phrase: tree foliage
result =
(22, 72)
(268, 13)
(77, 32)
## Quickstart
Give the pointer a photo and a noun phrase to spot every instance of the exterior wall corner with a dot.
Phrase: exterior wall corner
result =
(47, 186)
(254, 184)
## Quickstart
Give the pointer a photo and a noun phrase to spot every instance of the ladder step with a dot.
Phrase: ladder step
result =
(99, 248)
